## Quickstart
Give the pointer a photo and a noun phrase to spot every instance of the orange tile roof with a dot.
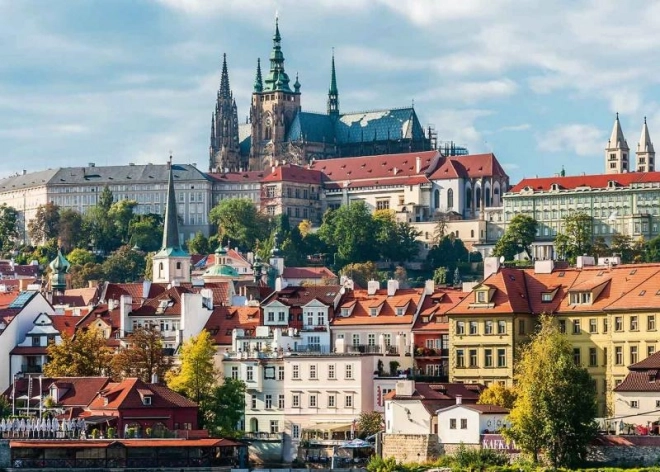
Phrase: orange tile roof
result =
(224, 319)
(434, 308)
(308, 273)
(362, 302)
(594, 181)
(293, 173)
(126, 394)
(7, 297)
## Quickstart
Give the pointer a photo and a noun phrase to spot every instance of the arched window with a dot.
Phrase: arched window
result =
(160, 270)
(436, 199)
(450, 199)
(468, 198)
(477, 197)
(496, 196)
(254, 425)
(487, 196)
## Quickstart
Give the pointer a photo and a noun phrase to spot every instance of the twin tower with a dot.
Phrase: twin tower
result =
(617, 153)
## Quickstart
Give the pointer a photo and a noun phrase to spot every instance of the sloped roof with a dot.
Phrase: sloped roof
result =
(22, 181)
(112, 175)
(254, 176)
(295, 296)
(293, 173)
(79, 391)
(378, 125)
(126, 394)
(442, 391)
(224, 319)
(640, 381)
(313, 127)
(114, 291)
(308, 273)
(362, 304)
(594, 181)
(510, 295)
(435, 306)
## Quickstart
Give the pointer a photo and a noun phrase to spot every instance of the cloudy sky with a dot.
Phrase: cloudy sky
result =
(119, 81)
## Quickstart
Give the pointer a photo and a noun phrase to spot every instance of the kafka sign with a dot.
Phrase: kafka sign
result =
(498, 442)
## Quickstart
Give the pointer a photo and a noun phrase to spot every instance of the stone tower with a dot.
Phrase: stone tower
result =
(224, 152)
(617, 151)
(274, 106)
(172, 262)
(333, 92)
(645, 152)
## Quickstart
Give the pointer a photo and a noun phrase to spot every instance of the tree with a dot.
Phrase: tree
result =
(622, 244)
(518, 237)
(441, 227)
(652, 250)
(239, 221)
(44, 225)
(361, 273)
(369, 423)
(448, 253)
(81, 276)
(575, 239)
(146, 232)
(124, 265)
(225, 409)
(305, 227)
(600, 247)
(143, 356)
(498, 394)
(199, 244)
(70, 229)
(351, 230)
(83, 355)
(80, 257)
(196, 375)
(8, 228)
(556, 403)
(440, 275)
(121, 213)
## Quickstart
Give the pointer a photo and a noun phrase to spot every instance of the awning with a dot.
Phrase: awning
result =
(99, 419)
(330, 426)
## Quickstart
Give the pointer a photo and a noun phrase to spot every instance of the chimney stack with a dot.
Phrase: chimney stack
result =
(459, 399)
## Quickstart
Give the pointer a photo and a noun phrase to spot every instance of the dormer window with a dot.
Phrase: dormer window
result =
(400, 311)
(344, 312)
(554, 187)
(482, 296)
(581, 298)
(146, 400)
(373, 311)
(547, 297)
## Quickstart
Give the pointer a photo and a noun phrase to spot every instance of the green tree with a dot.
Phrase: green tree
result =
(556, 403)
(369, 423)
(82, 275)
(70, 229)
(199, 244)
(239, 221)
(146, 232)
(576, 237)
(80, 257)
(361, 272)
(518, 237)
(500, 395)
(45, 224)
(622, 244)
(440, 275)
(124, 265)
(121, 213)
(143, 356)
(196, 375)
(83, 355)
(8, 228)
(652, 250)
(448, 253)
(350, 229)
(225, 408)
(600, 247)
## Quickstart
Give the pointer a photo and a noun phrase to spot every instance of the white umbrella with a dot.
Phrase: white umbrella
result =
(3, 425)
(55, 425)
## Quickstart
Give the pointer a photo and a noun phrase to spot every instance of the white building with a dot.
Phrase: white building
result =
(462, 423)
(636, 400)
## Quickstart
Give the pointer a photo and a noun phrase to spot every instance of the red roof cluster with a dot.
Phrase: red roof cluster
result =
(594, 181)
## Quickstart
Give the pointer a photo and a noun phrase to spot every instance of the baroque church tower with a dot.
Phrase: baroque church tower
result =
(224, 151)
(274, 107)
(617, 151)
(645, 151)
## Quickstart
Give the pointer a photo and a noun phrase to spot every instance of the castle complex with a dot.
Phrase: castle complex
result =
(278, 131)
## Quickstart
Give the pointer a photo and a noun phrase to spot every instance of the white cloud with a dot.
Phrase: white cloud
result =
(520, 127)
(580, 139)
(471, 92)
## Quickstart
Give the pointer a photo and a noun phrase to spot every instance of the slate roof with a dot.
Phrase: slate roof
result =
(33, 179)
(254, 176)
(314, 127)
(111, 175)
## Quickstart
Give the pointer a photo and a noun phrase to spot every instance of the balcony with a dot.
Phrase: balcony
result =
(262, 436)
(364, 349)
(311, 348)
(31, 369)
(430, 353)
(314, 328)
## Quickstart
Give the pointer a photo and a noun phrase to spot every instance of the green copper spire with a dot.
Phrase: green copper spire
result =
(258, 82)
(296, 85)
(333, 93)
(277, 79)
(59, 268)
(171, 229)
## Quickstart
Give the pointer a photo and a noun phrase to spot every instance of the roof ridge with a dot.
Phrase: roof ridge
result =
(377, 109)
(631, 289)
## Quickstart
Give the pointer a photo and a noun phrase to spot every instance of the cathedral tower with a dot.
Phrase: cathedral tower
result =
(172, 262)
(645, 152)
(224, 152)
(617, 151)
(333, 93)
(274, 107)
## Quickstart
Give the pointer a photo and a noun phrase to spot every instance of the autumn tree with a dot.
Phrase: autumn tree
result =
(196, 375)
(8, 228)
(575, 238)
(143, 356)
(556, 405)
(498, 394)
(225, 408)
(80, 257)
(518, 237)
(239, 220)
(83, 355)
(45, 224)
(369, 423)
(361, 273)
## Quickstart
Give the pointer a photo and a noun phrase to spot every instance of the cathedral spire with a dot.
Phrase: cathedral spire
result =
(645, 151)
(224, 91)
(617, 151)
(258, 82)
(645, 144)
(171, 228)
(333, 93)
(277, 79)
(617, 140)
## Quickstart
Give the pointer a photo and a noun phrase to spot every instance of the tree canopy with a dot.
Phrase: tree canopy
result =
(225, 408)
(143, 356)
(556, 404)
(196, 374)
(8, 228)
(369, 423)
(498, 394)
(239, 220)
(45, 224)
(447, 253)
(83, 355)
(518, 237)
(575, 238)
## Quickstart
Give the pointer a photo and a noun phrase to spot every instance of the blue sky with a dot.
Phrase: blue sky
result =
(119, 81)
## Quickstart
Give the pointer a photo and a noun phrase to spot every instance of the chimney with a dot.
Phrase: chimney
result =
(429, 287)
(125, 308)
(392, 287)
(280, 284)
(405, 388)
(491, 266)
(154, 378)
(459, 399)
(418, 164)
(543, 267)
(372, 287)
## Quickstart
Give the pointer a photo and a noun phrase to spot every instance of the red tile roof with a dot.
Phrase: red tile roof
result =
(435, 307)
(76, 391)
(126, 394)
(308, 273)
(362, 303)
(441, 395)
(224, 319)
(135, 290)
(293, 173)
(7, 297)
(593, 181)
(295, 296)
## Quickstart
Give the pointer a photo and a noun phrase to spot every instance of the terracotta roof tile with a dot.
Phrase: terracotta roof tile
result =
(293, 173)
(434, 309)
(125, 394)
(361, 312)
(308, 273)
(224, 319)
(594, 181)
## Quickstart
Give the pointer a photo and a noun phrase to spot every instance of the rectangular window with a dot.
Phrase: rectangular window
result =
(348, 401)
(250, 373)
(331, 371)
(633, 323)
(473, 328)
(521, 326)
(593, 325)
(501, 358)
(634, 404)
(633, 355)
(473, 358)
(460, 328)
(488, 358)
(253, 402)
(274, 426)
(576, 356)
(356, 340)
(280, 401)
(618, 355)
(593, 357)
(371, 339)
(605, 360)
(501, 327)
(650, 323)
(234, 372)
(576, 326)
(618, 323)
(460, 358)
(463, 423)
(349, 371)
(269, 401)
(481, 296)
(312, 372)
(606, 325)
(295, 400)
(332, 401)
(312, 401)
(452, 423)
(295, 372)
(650, 350)
(295, 431)
(280, 372)
(488, 327)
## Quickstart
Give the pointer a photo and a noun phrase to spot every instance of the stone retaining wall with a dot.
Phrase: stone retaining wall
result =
(411, 447)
